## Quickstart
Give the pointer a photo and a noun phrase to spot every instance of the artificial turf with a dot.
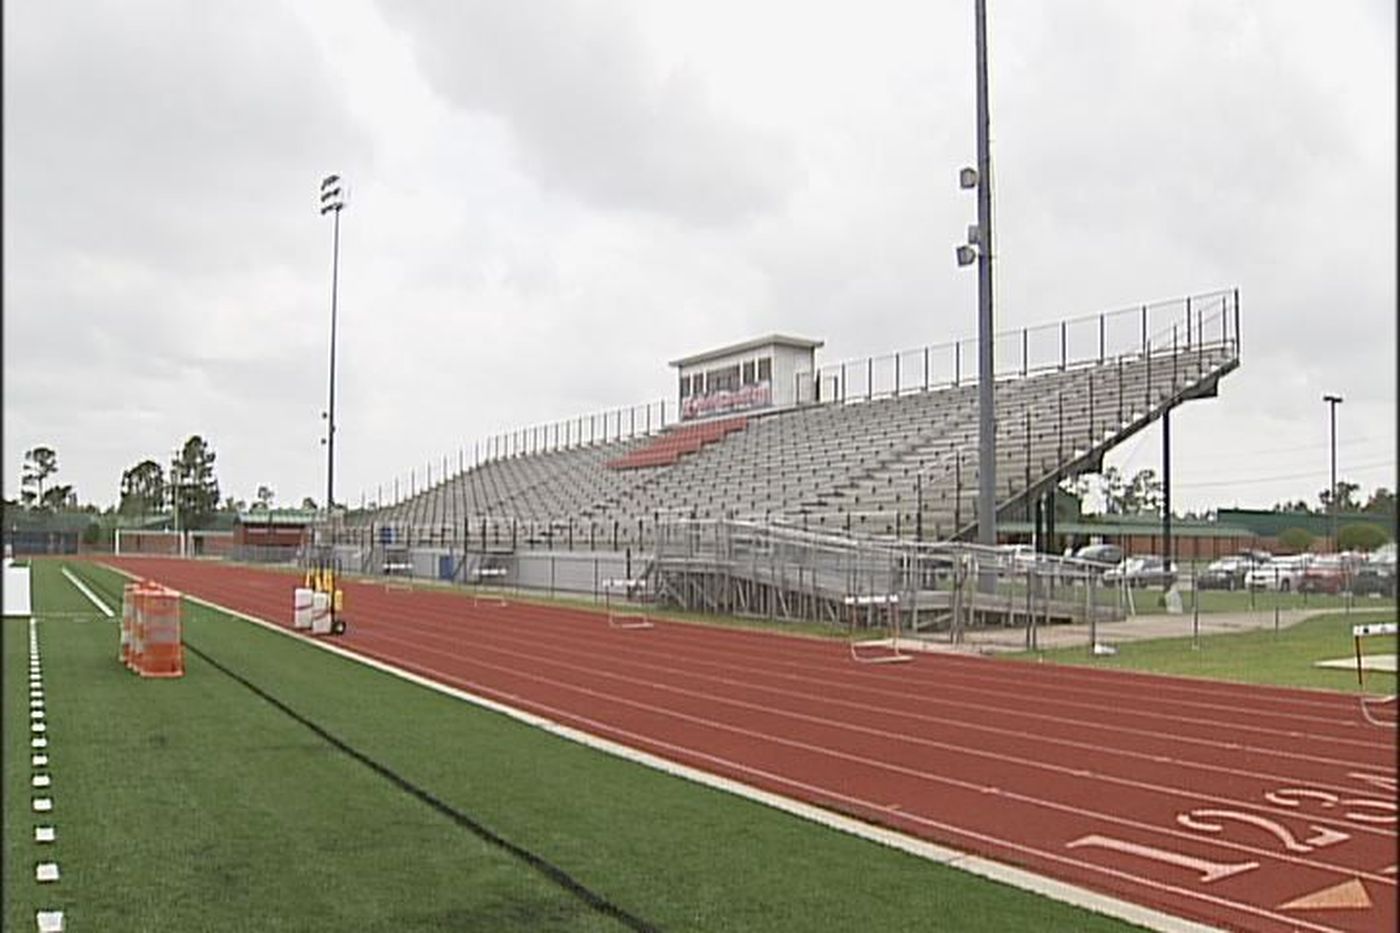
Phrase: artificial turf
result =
(196, 804)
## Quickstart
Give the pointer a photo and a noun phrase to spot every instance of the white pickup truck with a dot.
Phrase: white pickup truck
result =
(1282, 574)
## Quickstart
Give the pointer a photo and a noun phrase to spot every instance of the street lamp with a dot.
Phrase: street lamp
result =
(332, 202)
(1332, 402)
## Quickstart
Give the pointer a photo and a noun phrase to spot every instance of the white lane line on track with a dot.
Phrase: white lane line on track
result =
(973, 864)
(82, 587)
(949, 856)
(1211, 697)
(904, 771)
(996, 692)
(827, 722)
(643, 659)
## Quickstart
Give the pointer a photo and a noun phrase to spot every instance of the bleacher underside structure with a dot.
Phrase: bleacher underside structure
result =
(880, 466)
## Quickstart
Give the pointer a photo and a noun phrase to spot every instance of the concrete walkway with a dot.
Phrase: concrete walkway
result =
(1138, 628)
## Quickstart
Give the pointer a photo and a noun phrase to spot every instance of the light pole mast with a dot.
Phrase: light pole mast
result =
(1332, 402)
(979, 249)
(986, 388)
(332, 202)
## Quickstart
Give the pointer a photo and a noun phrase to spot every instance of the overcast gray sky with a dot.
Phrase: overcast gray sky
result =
(551, 200)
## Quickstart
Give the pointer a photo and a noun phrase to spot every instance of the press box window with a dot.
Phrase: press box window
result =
(748, 373)
(765, 369)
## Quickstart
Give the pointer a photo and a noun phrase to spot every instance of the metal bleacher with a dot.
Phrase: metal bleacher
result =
(901, 462)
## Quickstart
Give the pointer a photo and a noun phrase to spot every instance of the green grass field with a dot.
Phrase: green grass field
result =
(193, 804)
(1151, 601)
(1262, 656)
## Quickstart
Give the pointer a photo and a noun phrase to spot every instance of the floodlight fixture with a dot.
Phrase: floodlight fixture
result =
(332, 194)
(966, 255)
(967, 178)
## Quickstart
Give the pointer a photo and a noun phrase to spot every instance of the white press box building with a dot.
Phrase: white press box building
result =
(766, 373)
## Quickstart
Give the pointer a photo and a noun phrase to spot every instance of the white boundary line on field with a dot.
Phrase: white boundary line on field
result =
(972, 864)
(87, 592)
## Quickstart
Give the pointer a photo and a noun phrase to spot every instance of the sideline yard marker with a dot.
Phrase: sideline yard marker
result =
(49, 921)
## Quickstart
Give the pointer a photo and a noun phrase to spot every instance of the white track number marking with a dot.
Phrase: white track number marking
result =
(1284, 797)
(1383, 781)
(1196, 819)
(1288, 797)
(1210, 871)
(1367, 802)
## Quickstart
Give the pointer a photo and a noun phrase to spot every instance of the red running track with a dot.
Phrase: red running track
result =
(1244, 807)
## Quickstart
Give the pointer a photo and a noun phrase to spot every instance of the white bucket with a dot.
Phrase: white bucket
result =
(301, 608)
(320, 613)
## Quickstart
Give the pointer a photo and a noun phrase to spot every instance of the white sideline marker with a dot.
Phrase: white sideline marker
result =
(38, 761)
(44, 834)
(46, 871)
(49, 921)
(101, 606)
(38, 727)
(41, 780)
(43, 804)
(40, 742)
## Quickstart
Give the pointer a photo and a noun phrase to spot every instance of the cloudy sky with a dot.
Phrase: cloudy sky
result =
(551, 200)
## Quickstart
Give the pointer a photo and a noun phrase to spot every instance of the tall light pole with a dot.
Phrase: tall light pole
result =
(979, 248)
(332, 202)
(177, 480)
(986, 378)
(1332, 402)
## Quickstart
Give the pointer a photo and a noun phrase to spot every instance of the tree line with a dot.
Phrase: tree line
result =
(186, 488)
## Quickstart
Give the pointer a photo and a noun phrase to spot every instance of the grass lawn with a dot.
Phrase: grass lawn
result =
(193, 804)
(1260, 657)
(1151, 601)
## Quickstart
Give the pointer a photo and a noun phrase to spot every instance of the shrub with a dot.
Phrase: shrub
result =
(1361, 536)
(1296, 540)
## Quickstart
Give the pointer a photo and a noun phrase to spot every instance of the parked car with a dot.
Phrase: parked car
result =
(1107, 554)
(1143, 570)
(1324, 575)
(1227, 573)
(1374, 577)
(1283, 574)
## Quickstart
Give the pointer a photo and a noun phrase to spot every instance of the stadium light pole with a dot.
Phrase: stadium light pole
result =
(177, 472)
(1332, 402)
(332, 202)
(979, 249)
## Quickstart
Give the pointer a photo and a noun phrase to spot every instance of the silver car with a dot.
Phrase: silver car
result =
(1142, 570)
